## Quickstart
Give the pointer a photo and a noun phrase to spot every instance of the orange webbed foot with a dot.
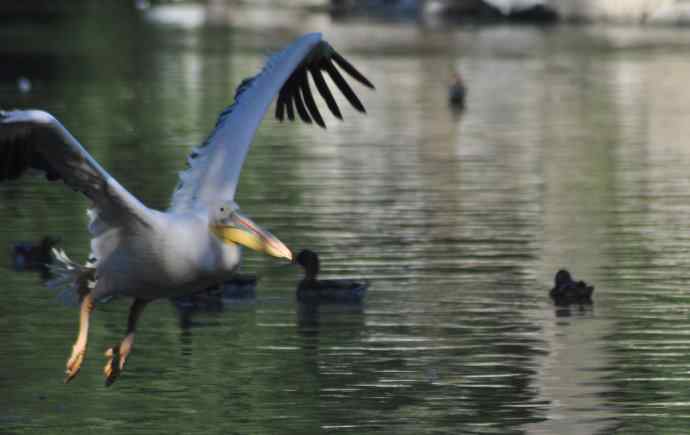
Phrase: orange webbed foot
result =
(115, 364)
(74, 362)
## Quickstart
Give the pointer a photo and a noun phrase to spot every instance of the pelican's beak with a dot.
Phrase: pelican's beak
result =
(239, 229)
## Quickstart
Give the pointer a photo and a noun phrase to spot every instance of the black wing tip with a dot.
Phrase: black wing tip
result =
(308, 98)
(295, 98)
(325, 92)
(351, 70)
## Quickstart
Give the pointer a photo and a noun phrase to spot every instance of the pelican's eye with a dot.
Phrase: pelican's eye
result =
(224, 212)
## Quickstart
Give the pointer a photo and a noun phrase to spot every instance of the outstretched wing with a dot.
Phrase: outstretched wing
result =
(214, 167)
(34, 139)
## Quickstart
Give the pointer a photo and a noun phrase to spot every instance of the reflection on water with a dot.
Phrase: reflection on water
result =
(571, 153)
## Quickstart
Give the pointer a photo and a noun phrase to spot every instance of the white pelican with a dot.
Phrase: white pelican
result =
(148, 254)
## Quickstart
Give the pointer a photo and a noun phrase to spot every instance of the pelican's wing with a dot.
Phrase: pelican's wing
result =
(214, 167)
(35, 139)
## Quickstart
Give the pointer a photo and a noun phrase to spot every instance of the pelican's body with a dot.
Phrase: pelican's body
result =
(147, 254)
(148, 263)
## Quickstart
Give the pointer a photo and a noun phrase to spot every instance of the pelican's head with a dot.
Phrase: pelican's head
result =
(232, 227)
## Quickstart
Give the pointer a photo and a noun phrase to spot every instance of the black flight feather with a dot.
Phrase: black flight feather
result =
(348, 68)
(309, 99)
(324, 91)
(297, 89)
(301, 110)
(343, 86)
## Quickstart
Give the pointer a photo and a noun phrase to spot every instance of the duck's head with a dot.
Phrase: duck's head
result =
(563, 277)
(309, 260)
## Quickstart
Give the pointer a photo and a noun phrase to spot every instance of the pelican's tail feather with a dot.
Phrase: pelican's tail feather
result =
(71, 279)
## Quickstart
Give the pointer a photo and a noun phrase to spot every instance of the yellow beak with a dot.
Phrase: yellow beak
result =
(250, 235)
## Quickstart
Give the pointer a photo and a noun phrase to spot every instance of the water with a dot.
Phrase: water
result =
(572, 153)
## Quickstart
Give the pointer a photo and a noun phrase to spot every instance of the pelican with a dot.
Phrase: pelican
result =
(146, 254)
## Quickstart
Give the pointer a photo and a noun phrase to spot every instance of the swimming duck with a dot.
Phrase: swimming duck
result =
(567, 291)
(457, 92)
(313, 290)
(33, 255)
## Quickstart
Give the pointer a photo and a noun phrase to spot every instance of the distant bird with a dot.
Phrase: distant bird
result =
(313, 290)
(566, 291)
(24, 85)
(147, 254)
(33, 255)
(142, 5)
(457, 92)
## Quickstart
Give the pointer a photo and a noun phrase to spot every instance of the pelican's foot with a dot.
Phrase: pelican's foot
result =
(115, 364)
(74, 362)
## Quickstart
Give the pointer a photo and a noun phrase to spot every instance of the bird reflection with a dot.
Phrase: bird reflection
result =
(577, 310)
(314, 318)
(241, 288)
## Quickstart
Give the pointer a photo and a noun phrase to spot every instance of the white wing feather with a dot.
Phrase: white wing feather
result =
(214, 167)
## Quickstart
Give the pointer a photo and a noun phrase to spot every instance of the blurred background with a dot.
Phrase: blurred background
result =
(569, 150)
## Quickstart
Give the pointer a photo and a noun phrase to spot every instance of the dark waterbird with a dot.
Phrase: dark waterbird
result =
(457, 92)
(567, 291)
(313, 290)
(33, 255)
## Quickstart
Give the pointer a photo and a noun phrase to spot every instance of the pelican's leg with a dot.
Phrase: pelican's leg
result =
(118, 354)
(79, 348)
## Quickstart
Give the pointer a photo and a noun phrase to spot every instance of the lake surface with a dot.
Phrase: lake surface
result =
(573, 152)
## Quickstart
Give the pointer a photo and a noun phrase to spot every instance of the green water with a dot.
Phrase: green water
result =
(573, 152)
